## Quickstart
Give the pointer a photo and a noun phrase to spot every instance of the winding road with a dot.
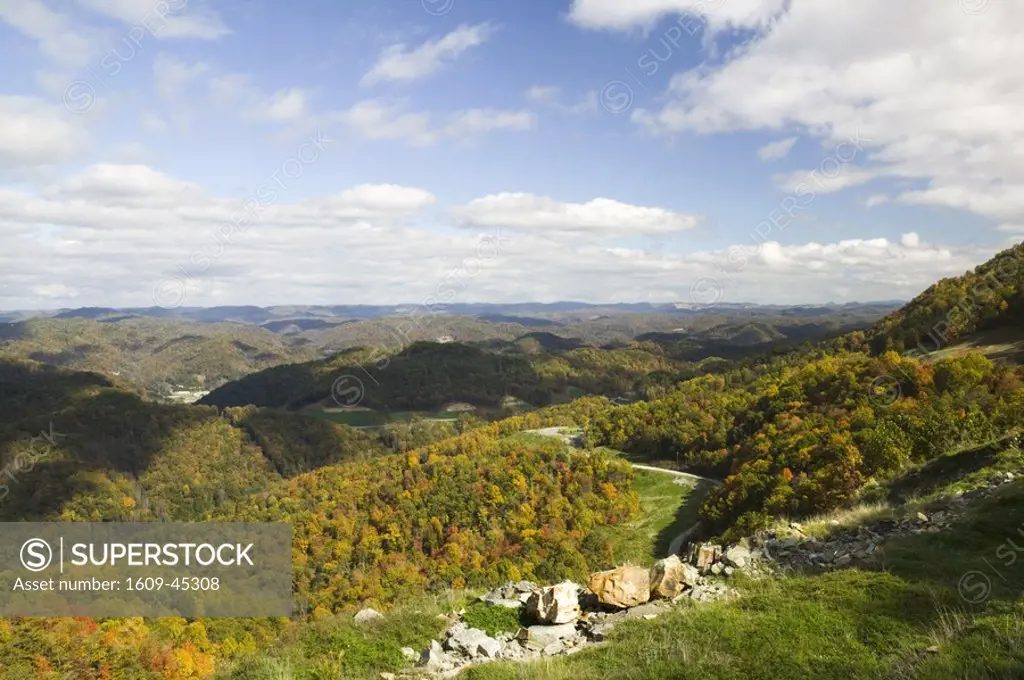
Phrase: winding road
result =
(571, 437)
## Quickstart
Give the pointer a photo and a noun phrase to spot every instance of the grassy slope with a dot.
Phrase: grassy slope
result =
(666, 509)
(904, 619)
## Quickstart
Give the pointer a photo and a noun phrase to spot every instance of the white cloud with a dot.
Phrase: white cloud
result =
(550, 95)
(836, 178)
(400, 62)
(928, 85)
(910, 240)
(619, 15)
(35, 133)
(145, 225)
(172, 76)
(600, 216)
(773, 151)
(153, 123)
(168, 19)
(476, 122)
(377, 119)
(59, 37)
(283, 105)
(875, 200)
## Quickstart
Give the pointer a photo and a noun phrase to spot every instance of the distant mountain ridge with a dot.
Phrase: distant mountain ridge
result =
(525, 313)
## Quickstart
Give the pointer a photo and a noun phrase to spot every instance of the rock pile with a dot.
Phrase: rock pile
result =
(566, 617)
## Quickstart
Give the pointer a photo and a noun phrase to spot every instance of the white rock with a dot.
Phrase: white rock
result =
(555, 604)
(367, 615)
(737, 556)
(539, 637)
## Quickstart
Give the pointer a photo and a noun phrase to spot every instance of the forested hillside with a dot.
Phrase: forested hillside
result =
(152, 355)
(989, 297)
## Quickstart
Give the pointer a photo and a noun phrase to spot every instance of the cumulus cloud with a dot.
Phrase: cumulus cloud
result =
(403, 63)
(601, 216)
(59, 37)
(151, 230)
(34, 133)
(928, 86)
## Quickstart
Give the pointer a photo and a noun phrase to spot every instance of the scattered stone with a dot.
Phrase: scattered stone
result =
(489, 648)
(921, 517)
(539, 637)
(433, 658)
(729, 571)
(934, 649)
(705, 555)
(467, 641)
(553, 649)
(623, 587)
(388, 676)
(737, 556)
(555, 604)
(367, 615)
(409, 653)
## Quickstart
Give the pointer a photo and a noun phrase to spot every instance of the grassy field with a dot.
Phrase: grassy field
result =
(666, 510)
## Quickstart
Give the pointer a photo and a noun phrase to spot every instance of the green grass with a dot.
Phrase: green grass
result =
(904, 619)
(958, 471)
(494, 620)
(337, 647)
(666, 510)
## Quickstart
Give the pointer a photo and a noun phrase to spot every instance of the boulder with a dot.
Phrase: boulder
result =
(433, 658)
(623, 587)
(737, 556)
(555, 604)
(467, 641)
(539, 637)
(671, 576)
(705, 555)
(367, 615)
(488, 648)
(409, 653)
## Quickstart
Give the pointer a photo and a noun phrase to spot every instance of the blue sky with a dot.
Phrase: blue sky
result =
(615, 152)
